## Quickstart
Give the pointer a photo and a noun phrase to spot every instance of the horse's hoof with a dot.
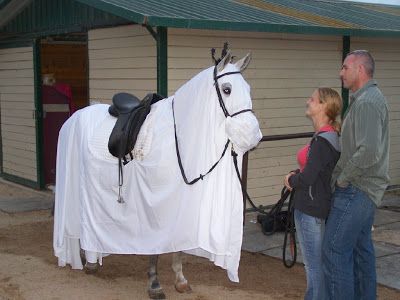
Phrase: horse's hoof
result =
(183, 287)
(91, 268)
(156, 294)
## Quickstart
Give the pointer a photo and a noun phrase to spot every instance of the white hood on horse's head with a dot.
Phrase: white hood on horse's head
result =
(202, 127)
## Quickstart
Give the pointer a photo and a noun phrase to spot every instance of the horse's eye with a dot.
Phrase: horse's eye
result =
(226, 88)
(227, 91)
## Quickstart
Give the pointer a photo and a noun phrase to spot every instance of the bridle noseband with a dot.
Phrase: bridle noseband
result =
(226, 113)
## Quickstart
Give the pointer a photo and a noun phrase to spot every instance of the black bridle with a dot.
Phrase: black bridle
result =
(226, 113)
(221, 101)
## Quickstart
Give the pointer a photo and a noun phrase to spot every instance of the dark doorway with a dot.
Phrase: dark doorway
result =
(64, 70)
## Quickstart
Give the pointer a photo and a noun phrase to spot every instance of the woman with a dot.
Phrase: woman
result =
(312, 183)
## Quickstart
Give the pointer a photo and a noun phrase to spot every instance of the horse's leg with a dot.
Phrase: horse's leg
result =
(91, 265)
(154, 288)
(181, 284)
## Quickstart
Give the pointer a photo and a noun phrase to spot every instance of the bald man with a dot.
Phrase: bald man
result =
(360, 179)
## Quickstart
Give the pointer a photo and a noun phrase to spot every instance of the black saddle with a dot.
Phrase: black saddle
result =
(123, 103)
(131, 114)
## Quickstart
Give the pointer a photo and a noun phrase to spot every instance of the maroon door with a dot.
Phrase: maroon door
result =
(56, 110)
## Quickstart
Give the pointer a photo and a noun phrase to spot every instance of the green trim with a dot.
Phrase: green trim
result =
(116, 10)
(25, 37)
(162, 61)
(4, 3)
(345, 92)
(15, 44)
(265, 27)
(38, 112)
(20, 180)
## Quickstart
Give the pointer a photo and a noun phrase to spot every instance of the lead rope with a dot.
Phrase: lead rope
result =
(291, 232)
(290, 229)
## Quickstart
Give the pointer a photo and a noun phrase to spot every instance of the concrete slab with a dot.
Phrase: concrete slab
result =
(389, 226)
(385, 235)
(390, 199)
(255, 241)
(278, 253)
(383, 249)
(384, 216)
(12, 205)
(388, 270)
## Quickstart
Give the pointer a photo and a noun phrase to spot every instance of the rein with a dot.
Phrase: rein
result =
(226, 113)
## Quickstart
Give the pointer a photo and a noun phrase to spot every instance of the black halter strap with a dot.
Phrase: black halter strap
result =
(226, 113)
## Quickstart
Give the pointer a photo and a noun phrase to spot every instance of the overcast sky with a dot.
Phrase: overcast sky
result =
(393, 2)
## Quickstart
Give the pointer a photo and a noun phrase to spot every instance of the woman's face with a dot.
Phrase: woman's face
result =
(314, 106)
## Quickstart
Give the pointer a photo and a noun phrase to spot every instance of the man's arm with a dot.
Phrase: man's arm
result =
(368, 132)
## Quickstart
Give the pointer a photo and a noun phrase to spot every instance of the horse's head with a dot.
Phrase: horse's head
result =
(232, 90)
(235, 101)
(211, 108)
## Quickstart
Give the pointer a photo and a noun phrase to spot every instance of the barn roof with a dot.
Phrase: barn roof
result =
(306, 16)
(291, 16)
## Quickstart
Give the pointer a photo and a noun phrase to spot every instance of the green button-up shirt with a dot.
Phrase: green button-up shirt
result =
(364, 160)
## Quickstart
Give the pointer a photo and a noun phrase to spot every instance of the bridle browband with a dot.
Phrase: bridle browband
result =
(226, 113)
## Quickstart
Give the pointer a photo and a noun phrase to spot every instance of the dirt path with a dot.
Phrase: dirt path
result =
(28, 269)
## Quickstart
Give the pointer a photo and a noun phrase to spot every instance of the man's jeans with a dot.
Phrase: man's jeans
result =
(347, 251)
(310, 231)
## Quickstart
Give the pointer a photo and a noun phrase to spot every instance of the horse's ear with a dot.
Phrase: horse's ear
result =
(243, 63)
(224, 61)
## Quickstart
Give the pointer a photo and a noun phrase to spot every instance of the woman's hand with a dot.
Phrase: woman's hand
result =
(286, 181)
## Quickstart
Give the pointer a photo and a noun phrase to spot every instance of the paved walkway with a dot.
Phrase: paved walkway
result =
(14, 198)
(386, 236)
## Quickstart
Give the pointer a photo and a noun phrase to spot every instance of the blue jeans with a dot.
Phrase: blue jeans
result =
(310, 231)
(348, 254)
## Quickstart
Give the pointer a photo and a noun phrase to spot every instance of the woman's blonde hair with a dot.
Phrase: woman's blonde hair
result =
(333, 107)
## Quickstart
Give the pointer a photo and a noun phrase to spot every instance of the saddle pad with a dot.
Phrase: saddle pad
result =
(98, 142)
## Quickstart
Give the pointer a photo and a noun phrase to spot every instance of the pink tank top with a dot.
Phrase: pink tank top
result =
(302, 153)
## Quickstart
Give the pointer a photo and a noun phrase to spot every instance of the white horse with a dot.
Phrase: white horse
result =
(206, 119)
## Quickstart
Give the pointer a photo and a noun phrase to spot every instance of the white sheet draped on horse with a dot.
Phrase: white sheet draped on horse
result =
(161, 213)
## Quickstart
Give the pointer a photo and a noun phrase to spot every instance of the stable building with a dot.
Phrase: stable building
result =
(57, 56)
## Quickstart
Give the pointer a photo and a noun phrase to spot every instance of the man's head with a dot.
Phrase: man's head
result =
(357, 69)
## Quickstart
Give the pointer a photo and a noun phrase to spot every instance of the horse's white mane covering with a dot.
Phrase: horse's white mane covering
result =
(161, 213)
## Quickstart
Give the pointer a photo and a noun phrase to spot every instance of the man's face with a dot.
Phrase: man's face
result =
(350, 73)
